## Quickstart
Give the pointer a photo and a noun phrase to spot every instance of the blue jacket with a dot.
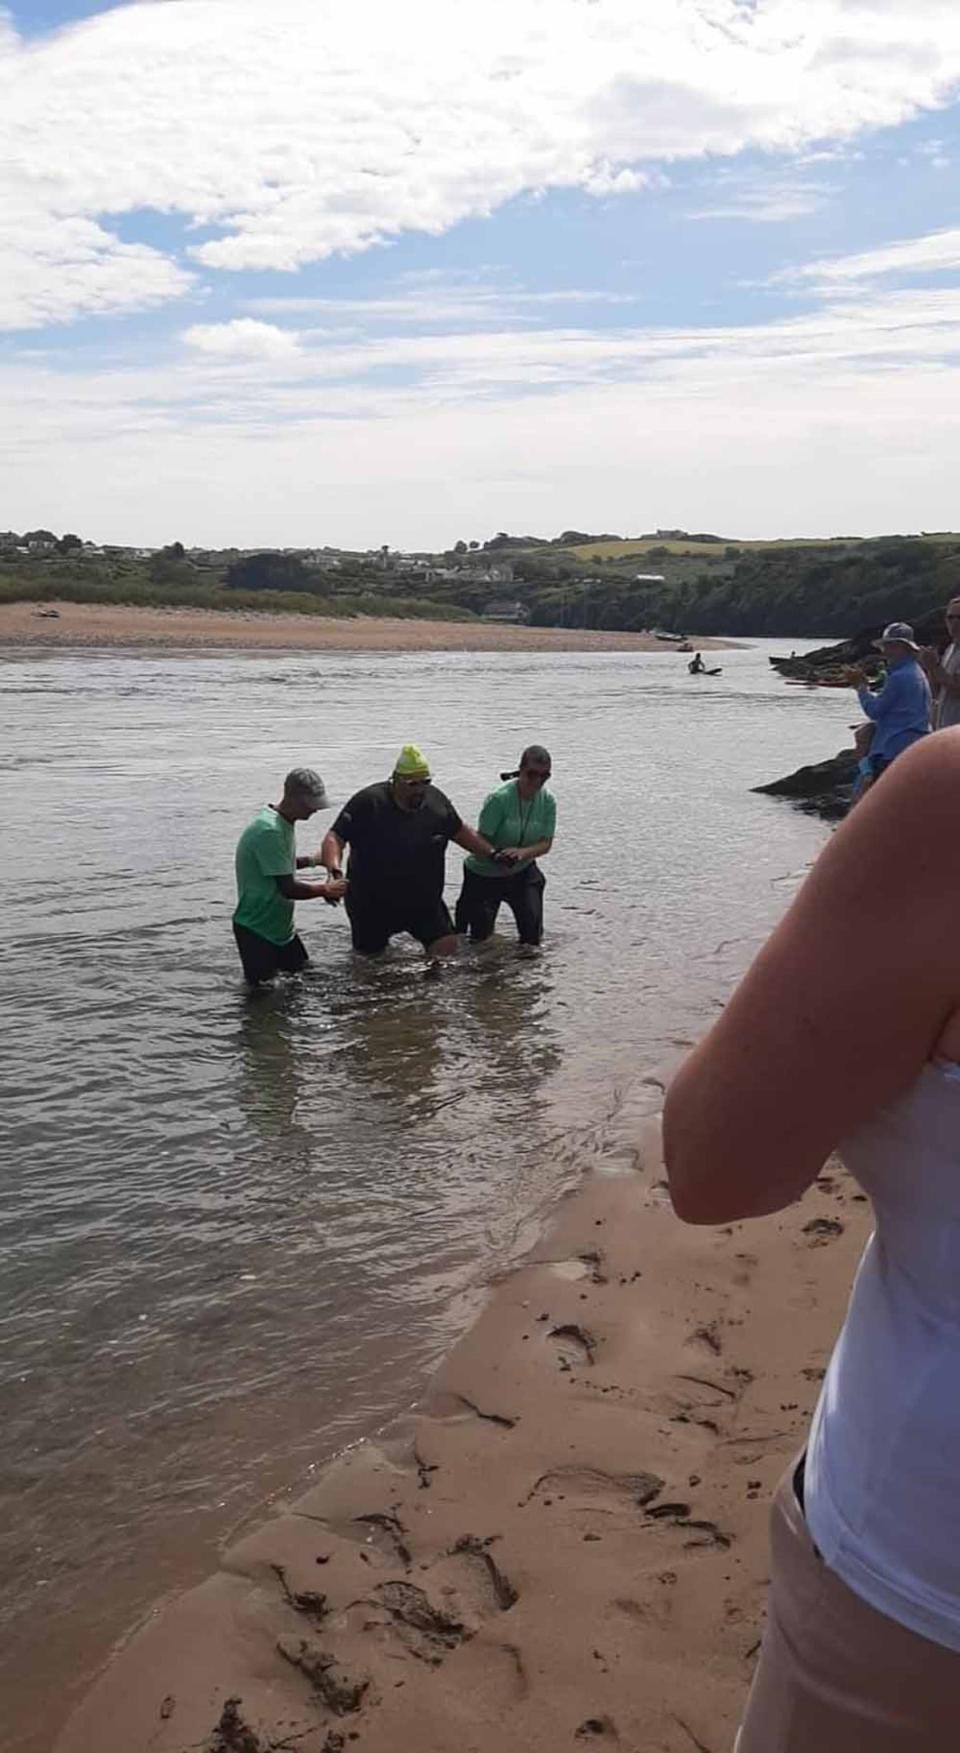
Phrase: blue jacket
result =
(900, 711)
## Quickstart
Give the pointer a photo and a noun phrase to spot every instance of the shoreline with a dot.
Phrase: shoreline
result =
(564, 1544)
(116, 626)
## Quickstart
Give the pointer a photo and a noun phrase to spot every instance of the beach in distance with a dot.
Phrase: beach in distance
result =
(120, 625)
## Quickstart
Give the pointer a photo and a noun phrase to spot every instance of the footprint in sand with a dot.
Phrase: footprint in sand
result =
(656, 1612)
(598, 1728)
(821, 1230)
(458, 1592)
(575, 1345)
(707, 1338)
(385, 1533)
(590, 1488)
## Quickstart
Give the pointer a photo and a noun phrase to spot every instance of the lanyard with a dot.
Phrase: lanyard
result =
(524, 818)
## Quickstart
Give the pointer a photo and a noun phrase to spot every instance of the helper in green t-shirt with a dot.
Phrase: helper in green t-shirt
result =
(519, 819)
(267, 886)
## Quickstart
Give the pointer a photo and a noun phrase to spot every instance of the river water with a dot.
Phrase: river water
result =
(237, 1234)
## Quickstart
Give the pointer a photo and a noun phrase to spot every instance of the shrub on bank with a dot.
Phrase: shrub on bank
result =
(17, 586)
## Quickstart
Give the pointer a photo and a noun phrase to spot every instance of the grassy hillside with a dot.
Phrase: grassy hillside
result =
(700, 583)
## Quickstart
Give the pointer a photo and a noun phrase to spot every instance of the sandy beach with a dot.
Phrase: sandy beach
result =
(120, 625)
(565, 1545)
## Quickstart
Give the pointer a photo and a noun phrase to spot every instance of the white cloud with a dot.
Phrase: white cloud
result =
(55, 267)
(243, 338)
(427, 298)
(843, 418)
(286, 134)
(771, 199)
(936, 253)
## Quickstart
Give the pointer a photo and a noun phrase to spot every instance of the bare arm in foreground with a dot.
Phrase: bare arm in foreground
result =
(857, 987)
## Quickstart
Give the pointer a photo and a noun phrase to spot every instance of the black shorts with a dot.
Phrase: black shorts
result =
(262, 959)
(482, 897)
(375, 919)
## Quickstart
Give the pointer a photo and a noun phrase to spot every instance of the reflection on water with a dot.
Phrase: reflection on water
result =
(236, 1233)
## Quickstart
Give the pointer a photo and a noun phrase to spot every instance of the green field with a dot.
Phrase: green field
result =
(712, 550)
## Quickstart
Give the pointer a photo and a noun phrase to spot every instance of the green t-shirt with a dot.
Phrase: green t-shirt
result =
(267, 849)
(506, 820)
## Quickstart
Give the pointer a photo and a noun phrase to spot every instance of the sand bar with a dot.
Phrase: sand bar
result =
(564, 1547)
(120, 625)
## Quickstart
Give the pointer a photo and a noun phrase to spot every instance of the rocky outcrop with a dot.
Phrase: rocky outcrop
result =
(824, 789)
(826, 665)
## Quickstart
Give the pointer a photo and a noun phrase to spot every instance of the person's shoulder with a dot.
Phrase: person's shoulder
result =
(266, 821)
(369, 795)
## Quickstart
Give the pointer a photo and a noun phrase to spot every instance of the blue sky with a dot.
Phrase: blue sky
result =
(303, 273)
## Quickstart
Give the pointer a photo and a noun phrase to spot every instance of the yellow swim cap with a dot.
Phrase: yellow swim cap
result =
(411, 764)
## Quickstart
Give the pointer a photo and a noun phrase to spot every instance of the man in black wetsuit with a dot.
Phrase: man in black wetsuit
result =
(398, 831)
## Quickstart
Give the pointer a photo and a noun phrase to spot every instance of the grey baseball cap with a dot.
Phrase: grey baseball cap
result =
(898, 633)
(307, 784)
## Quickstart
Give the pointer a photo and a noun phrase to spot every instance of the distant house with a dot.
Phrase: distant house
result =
(649, 578)
(492, 572)
(505, 611)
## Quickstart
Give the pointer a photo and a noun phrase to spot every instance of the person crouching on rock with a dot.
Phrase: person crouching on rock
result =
(520, 820)
(267, 887)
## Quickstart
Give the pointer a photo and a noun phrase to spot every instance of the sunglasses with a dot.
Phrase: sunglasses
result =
(536, 772)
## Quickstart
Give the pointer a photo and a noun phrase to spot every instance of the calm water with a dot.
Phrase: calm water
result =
(236, 1235)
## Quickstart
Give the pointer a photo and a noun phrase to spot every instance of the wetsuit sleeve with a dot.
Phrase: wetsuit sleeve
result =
(349, 820)
(453, 822)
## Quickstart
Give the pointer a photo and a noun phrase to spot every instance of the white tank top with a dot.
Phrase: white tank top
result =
(882, 1483)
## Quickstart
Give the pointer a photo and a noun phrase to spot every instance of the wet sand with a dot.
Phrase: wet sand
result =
(118, 625)
(564, 1547)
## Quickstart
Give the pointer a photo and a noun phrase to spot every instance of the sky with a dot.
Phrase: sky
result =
(349, 272)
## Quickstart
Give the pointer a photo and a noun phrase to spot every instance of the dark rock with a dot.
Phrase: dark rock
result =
(824, 789)
(828, 661)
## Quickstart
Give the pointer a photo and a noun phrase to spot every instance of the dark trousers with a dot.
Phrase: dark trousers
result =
(481, 897)
(261, 959)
